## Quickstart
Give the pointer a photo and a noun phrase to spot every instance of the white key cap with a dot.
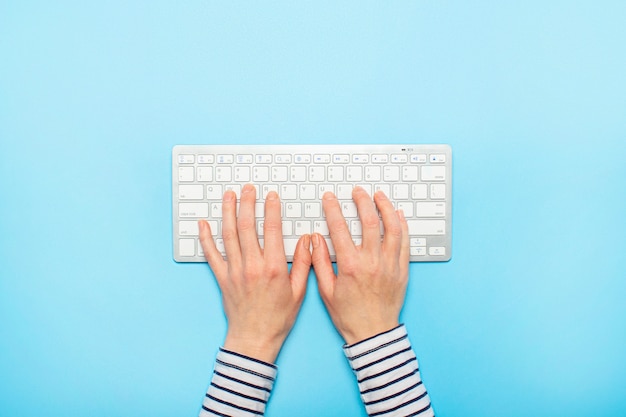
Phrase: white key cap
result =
(343, 158)
(380, 158)
(385, 188)
(418, 191)
(187, 247)
(267, 188)
(317, 173)
(303, 227)
(430, 209)
(261, 173)
(206, 159)
(400, 191)
(302, 158)
(279, 173)
(321, 227)
(282, 158)
(287, 228)
(409, 173)
(437, 251)
(189, 228)
(321, 158)
(372, 173)
(391, 173)
(244, 159)
(307, 191)
(399, 158)
(324, 188)
(419, 158)
(200, 210)
(361, 158)
(417, 241)
(225, 159)
(290, 246)
(185, 174)
(242, 174)
(223, 174)
(418, 251)
(312, 210)
(335, 173)
(344, 191)
(355, 228)
(233, 187)
(186, 159)
(406, 207)
(354, 174)
(214, 192)
(288, 192)
(348, 209)
(216, 210)
(298, 173)
(427, 227)
(433, 173)
(263, 159)
(190, 192)
(437, 158)
(293, 210)
(204, 174)
(259, 210)
(437, 191)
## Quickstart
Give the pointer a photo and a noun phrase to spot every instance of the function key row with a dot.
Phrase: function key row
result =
(400, 158)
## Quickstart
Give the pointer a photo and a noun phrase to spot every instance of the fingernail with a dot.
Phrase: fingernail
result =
(328, 195)
(316, 240)
(272, 195)
(248, 188)
(306, 242)
(201, 225)
(229, 196)
(401, 215)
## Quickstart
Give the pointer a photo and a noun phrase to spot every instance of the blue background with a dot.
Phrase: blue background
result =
(529, 316)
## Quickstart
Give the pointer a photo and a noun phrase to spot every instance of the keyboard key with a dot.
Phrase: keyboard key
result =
(433, 173)
(190, 192)
(427, 227)
(187, 247)
(198, 210)
(185, 174)
(430, 209)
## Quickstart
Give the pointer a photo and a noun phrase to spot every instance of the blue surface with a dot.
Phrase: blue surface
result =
(529, 317)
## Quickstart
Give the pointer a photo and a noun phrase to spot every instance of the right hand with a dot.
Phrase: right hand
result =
(366, 295)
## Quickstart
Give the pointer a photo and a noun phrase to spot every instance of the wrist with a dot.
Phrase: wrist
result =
(368, 331)
(265, 350)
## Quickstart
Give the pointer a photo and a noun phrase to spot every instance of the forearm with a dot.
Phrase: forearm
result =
(388, 375)
(240, 386)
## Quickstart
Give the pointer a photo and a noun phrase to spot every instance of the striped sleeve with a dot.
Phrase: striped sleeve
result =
(388, 375)
(240, 386)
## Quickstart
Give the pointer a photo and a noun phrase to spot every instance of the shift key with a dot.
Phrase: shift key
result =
(427, 227)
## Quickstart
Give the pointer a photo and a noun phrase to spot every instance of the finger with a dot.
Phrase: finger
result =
(339, 233)
(404, 245)
(229, 228)
(323, 267)
(211, 253)
(246, 223)
(370, 222)
(273, 230)
(393, 231)
(301, 265)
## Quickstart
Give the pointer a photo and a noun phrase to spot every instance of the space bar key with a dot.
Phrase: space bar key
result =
(427, 227)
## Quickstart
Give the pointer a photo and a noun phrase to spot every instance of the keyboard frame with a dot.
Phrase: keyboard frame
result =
(444, 240)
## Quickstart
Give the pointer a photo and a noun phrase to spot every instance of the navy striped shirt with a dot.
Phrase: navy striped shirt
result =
(385, 366)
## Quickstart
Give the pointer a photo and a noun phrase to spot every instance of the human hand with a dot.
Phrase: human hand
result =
(261, 298)
(367, 294)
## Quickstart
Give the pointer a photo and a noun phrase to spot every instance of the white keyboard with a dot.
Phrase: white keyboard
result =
(417, 179)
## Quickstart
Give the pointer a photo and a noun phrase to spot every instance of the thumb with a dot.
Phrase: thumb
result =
(301, 265)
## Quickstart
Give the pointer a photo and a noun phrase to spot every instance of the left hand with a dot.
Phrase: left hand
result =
(261, 297)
